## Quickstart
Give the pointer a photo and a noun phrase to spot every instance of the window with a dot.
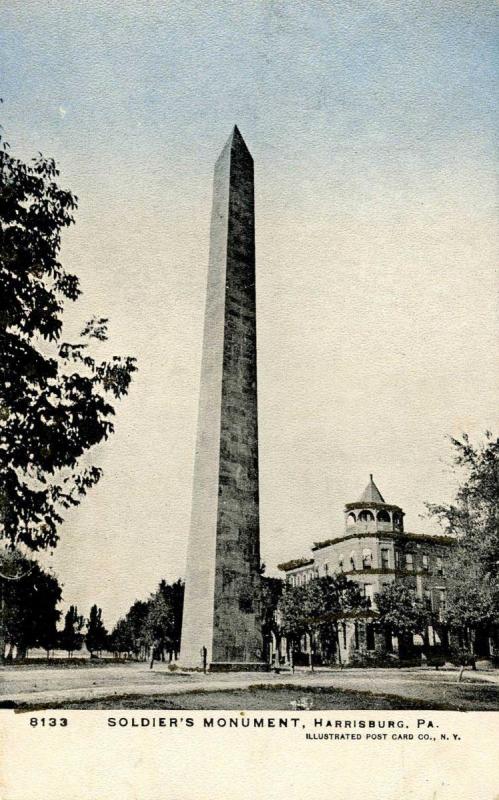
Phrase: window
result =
(367, 559)
(426, 563)
(366, 516)
(351, 520)
(385, 558)
(340, 563)
(352, 559)
(397, 559)
(383, 516)
(369, 593)
(440, 566)
(356, 634)
(441, 599)
(370, 637)
(409, 562)
(326, 568)
(427, 599)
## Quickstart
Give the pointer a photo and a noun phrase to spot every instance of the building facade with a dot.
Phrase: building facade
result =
(374, 550)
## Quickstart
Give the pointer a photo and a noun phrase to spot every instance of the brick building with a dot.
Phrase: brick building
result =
(374, 550)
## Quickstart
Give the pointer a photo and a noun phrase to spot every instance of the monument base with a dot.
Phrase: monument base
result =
(239, 666)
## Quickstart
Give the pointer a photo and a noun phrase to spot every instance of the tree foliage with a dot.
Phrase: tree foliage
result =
(316, 608)
(473, 518)
(30, 597)
(400, 611)
(55, 397)
(71, 637)
(160, 623)
(173, 595)
(154, 623)
(96, 637)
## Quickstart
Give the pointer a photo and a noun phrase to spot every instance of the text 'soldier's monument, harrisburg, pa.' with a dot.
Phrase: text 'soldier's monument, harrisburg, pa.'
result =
(222, 590)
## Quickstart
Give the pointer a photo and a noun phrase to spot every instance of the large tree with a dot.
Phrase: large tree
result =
(96, 637)
(271, 593)
(159, 626)
(401, 613)
(173, 594)
(29, 600)
(473, 518)
(56, 399)
(71, 637)
(317, 607)
(121, 639)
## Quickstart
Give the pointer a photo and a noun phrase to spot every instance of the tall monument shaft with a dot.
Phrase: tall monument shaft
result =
(222, 593)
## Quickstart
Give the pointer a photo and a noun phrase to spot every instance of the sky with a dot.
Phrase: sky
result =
(373, 130)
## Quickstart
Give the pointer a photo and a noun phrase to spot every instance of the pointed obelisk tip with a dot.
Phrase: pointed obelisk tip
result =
(237, 140)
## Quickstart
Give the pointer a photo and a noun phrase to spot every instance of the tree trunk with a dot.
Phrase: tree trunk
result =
(337, 631)
(3, 643)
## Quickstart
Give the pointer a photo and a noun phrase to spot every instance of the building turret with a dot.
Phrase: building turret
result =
(371, 513)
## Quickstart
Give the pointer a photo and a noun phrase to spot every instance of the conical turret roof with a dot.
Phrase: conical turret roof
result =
(371, 493)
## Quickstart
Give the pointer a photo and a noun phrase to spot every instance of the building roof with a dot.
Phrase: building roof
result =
(371, 493)
(295, 563)
(400, 536)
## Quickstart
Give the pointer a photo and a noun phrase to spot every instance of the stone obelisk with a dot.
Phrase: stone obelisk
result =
(222, 591)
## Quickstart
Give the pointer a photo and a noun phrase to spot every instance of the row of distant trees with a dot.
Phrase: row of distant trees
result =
(320, 607)
(30, 618)
(29, 613)
(152, 627)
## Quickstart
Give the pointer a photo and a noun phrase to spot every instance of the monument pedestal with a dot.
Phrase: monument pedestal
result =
(241, 666)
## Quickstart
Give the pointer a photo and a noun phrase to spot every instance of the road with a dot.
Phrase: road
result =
(56, 685)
